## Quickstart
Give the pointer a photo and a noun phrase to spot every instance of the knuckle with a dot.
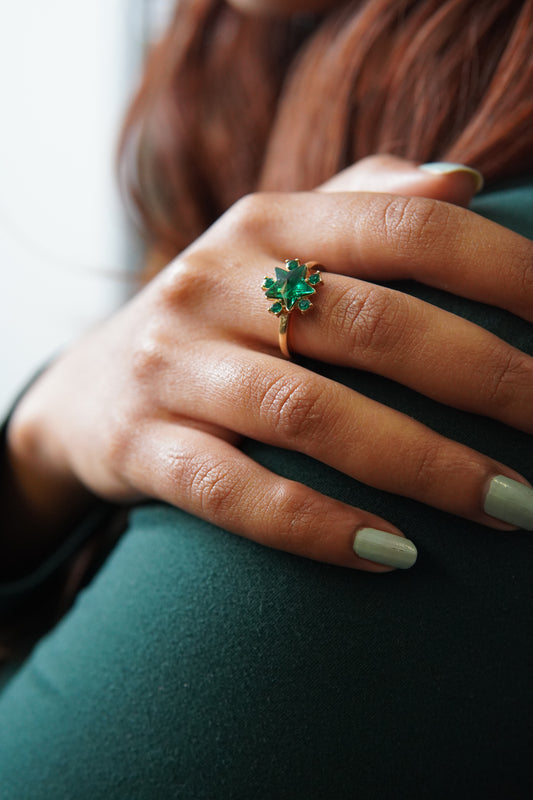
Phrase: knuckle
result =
(299, 515)
(185, 280)
(370, 318)
(123, 432)
(247, 217)
(211, 486)
(426, 466)
(418, 223)
(117, 448)
(292, 407)
(507, 379)
(374, 161)
(523, 258)
(148, 354)
(434, 464)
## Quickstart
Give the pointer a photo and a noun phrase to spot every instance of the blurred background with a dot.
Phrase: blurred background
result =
(67, 251)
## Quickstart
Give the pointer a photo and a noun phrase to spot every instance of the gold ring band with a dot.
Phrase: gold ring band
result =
(283, 334)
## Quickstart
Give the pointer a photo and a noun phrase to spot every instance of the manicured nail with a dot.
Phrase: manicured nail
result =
(385, 548)
(448, 168)
(510, 501)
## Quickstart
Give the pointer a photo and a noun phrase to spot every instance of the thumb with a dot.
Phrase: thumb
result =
(454, 183)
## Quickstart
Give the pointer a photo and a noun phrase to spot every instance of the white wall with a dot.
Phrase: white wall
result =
(67, 69)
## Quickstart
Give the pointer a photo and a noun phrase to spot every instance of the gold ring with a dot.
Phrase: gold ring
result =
(291, 289)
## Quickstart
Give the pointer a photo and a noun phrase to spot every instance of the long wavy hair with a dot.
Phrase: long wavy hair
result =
(230, 104)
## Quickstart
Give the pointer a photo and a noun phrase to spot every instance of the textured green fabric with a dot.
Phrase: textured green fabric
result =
(201, 665)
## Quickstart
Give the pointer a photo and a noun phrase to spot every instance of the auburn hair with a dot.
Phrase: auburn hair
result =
(231, 104)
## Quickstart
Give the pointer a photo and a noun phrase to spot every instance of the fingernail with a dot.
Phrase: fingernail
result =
(385, 548)
(510, 501)
(448, 168)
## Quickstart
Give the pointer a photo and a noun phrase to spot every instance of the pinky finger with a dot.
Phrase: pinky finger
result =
(213, 480)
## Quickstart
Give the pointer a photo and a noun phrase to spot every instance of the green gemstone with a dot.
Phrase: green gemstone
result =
(292, 297)
(290, 286)
(268, 282)
(304, 305)
(314, 279)
(293, 263)
(277, 308)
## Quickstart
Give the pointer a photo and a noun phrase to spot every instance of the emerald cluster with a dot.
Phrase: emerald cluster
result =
(291, 287)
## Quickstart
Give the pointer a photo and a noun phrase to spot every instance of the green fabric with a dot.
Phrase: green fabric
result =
(200, 665)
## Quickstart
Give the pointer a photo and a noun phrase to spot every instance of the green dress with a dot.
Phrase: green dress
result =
(200, 665)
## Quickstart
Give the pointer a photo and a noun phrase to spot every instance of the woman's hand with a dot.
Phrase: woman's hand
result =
(155, 401)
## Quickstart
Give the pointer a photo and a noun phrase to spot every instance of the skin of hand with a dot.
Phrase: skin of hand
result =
(154, 402)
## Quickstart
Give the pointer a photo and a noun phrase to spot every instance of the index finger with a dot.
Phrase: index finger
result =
(390, 237)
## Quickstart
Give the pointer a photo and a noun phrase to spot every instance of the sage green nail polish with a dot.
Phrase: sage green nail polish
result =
(510, 501)
(448, 168)
(385, 548)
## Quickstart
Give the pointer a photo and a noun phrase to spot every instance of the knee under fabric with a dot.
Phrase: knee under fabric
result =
(201, 665)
